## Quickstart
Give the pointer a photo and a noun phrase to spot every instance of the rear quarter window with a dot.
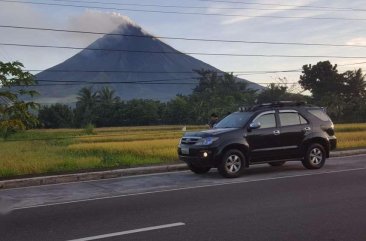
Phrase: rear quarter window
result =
(320, 114)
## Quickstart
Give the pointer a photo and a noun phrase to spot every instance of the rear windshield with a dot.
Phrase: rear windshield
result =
(320, 113)
(234, 120)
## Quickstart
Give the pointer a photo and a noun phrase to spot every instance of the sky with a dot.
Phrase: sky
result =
(254, 23)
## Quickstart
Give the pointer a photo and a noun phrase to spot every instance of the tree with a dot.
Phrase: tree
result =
(15, 111)
(355, 85)
(273, 92)
(219, 93)
(321, 79)
(326, 86)
(106, 107)
(343, 94)
(179, 110)
(278, 92)
(56, 116)
(354, 96)
(142, 112)
(85, 112)
(107, 96)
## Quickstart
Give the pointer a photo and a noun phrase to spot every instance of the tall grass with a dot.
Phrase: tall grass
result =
(164, 149)
(68, 150)
(350, 127)
(351, 140)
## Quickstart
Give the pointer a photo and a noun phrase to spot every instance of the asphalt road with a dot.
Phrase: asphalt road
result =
(285, 203)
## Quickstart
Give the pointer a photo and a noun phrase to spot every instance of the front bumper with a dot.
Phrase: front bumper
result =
(206, 157)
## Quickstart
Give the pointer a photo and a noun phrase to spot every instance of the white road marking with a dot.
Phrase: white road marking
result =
(192, 187)
(109, 235)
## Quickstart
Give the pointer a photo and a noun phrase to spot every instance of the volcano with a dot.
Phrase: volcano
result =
(138, 60)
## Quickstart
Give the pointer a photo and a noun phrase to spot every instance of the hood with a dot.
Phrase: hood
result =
(211, 132)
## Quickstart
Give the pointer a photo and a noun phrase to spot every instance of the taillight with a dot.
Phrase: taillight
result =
(329, 129)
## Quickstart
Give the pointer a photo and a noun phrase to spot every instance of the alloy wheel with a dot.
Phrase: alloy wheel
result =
(316, 156)
(233, 164)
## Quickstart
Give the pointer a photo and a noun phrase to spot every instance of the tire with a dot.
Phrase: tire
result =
(314, 157)
(198, 169)
(232, 164)
(276, 164)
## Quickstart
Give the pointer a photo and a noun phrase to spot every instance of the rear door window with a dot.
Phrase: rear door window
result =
(291, 118)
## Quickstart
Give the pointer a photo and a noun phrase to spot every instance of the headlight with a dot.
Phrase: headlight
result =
(206, 141)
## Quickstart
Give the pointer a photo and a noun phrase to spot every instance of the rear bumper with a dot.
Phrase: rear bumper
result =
(332, 143)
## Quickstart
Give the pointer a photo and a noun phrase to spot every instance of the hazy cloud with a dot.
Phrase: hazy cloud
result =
(40, 58)
(252, 11)
(357, 41)
(94, 21)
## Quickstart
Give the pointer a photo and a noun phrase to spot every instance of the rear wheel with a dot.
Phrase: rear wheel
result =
(198, 169)
(276, 164)
(232, 164)
(314, 157)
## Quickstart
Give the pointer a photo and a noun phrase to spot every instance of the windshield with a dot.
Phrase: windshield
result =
(234, 120)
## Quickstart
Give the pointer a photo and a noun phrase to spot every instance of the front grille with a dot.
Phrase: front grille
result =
(190, 140)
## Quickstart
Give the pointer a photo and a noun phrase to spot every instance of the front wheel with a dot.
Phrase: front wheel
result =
(314, 157)
(198, 169)
(232, 164)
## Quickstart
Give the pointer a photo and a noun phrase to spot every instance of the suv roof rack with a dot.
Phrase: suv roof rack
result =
(278, 104)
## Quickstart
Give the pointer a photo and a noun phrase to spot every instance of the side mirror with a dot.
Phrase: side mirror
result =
(254, 125)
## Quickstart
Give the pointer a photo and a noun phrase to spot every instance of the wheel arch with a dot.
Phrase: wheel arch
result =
(238, 146)
(319, 140)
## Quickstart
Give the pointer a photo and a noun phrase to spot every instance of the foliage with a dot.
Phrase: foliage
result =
(89, 129)
(343, 94)
(15, 111)
(219, 93)
(56, 116)
(278, 92)
(85, 111)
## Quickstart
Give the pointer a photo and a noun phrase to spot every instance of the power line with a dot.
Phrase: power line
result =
(159, 72)
(182, 38)
(49, 82)
(184, 13)
(135, 83)
(185, 53)
(113, 71)
(352, 64)
(142, 82)
(205, 7)
(116, 82)
(157, 81)
(237, 72)
(282, 5)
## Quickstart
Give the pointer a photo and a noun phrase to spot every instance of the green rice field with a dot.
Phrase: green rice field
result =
(38, 152)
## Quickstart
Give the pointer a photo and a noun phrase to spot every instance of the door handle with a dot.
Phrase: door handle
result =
(276, 132)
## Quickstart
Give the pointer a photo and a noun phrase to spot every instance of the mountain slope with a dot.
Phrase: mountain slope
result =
(99, 66)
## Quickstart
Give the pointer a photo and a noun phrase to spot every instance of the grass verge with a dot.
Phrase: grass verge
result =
(38, 152)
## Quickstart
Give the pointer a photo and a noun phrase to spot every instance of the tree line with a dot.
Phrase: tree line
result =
(342, 93)
(101, 107)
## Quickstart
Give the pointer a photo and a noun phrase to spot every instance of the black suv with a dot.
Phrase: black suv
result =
(270, 133)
